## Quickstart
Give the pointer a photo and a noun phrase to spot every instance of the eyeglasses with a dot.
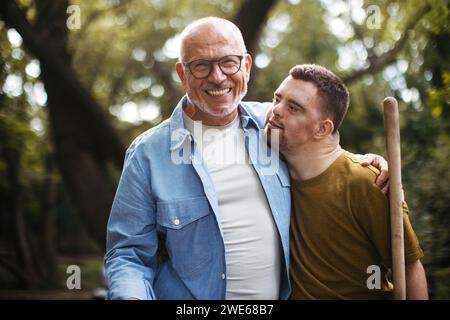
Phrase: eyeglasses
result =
(202, 68)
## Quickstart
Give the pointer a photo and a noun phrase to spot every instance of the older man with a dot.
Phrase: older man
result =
(224, 224)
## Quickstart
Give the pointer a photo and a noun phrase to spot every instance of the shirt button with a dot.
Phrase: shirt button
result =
(176, 222)
(223, 276)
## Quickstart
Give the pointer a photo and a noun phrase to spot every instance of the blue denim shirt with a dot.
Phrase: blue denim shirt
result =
(177, 201)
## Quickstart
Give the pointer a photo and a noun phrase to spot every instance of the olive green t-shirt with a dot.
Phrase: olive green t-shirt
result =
(340, 226)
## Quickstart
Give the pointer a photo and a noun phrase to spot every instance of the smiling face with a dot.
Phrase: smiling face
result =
(295, 116)
(216, 97)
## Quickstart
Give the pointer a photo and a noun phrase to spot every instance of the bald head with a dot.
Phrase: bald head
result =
(208, 32)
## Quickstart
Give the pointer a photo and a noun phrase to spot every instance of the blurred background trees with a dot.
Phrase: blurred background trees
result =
(72, 99)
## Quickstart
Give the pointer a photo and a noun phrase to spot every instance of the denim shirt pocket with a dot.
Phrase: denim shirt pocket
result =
(188, 226)
(179, 213)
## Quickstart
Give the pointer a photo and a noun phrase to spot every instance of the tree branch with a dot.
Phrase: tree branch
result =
(105, 140)
(250, 19)
(377, 63)
(98, 13)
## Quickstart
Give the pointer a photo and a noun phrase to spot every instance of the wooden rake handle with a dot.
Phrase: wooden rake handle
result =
(392, 133)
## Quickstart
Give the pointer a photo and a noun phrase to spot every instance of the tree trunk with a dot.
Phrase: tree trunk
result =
(85, 141)
(13, 207)
(251, 19)
(48, 240)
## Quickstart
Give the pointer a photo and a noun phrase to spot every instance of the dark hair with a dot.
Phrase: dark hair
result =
(331, 90)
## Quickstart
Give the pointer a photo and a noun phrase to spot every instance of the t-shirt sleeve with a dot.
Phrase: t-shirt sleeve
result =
(413, 251)
(372, 213)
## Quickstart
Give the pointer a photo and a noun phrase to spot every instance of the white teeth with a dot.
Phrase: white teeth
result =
(218, 92)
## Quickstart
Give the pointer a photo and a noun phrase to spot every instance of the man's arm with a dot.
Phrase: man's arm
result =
(416, 282)
(130, 261)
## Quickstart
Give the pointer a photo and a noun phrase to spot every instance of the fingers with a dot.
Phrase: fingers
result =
(380, 163)
(367, 159)
(385, 189)
(383, 178)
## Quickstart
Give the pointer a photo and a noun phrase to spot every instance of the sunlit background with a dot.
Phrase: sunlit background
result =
(72, 97)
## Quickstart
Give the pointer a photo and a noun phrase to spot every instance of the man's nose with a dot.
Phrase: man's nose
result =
(216, 75)
(278, 109)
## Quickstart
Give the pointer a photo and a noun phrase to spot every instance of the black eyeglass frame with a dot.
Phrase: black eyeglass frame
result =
(210, 62)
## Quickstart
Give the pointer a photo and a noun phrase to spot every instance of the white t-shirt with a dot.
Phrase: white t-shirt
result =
(252, 244)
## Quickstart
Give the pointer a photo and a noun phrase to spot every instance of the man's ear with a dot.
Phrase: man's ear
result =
(325, 128)
(180, 71)
(247, 65)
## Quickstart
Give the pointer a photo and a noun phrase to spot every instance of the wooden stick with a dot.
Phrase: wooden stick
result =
(392, 133)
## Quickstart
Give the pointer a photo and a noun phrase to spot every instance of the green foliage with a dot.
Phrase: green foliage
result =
(124, 54)
(439, 99)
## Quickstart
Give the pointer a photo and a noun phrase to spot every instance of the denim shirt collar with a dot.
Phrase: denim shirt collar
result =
(178, 131)
(247, 120)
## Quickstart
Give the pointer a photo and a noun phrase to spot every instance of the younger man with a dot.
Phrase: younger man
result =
(340, 218)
